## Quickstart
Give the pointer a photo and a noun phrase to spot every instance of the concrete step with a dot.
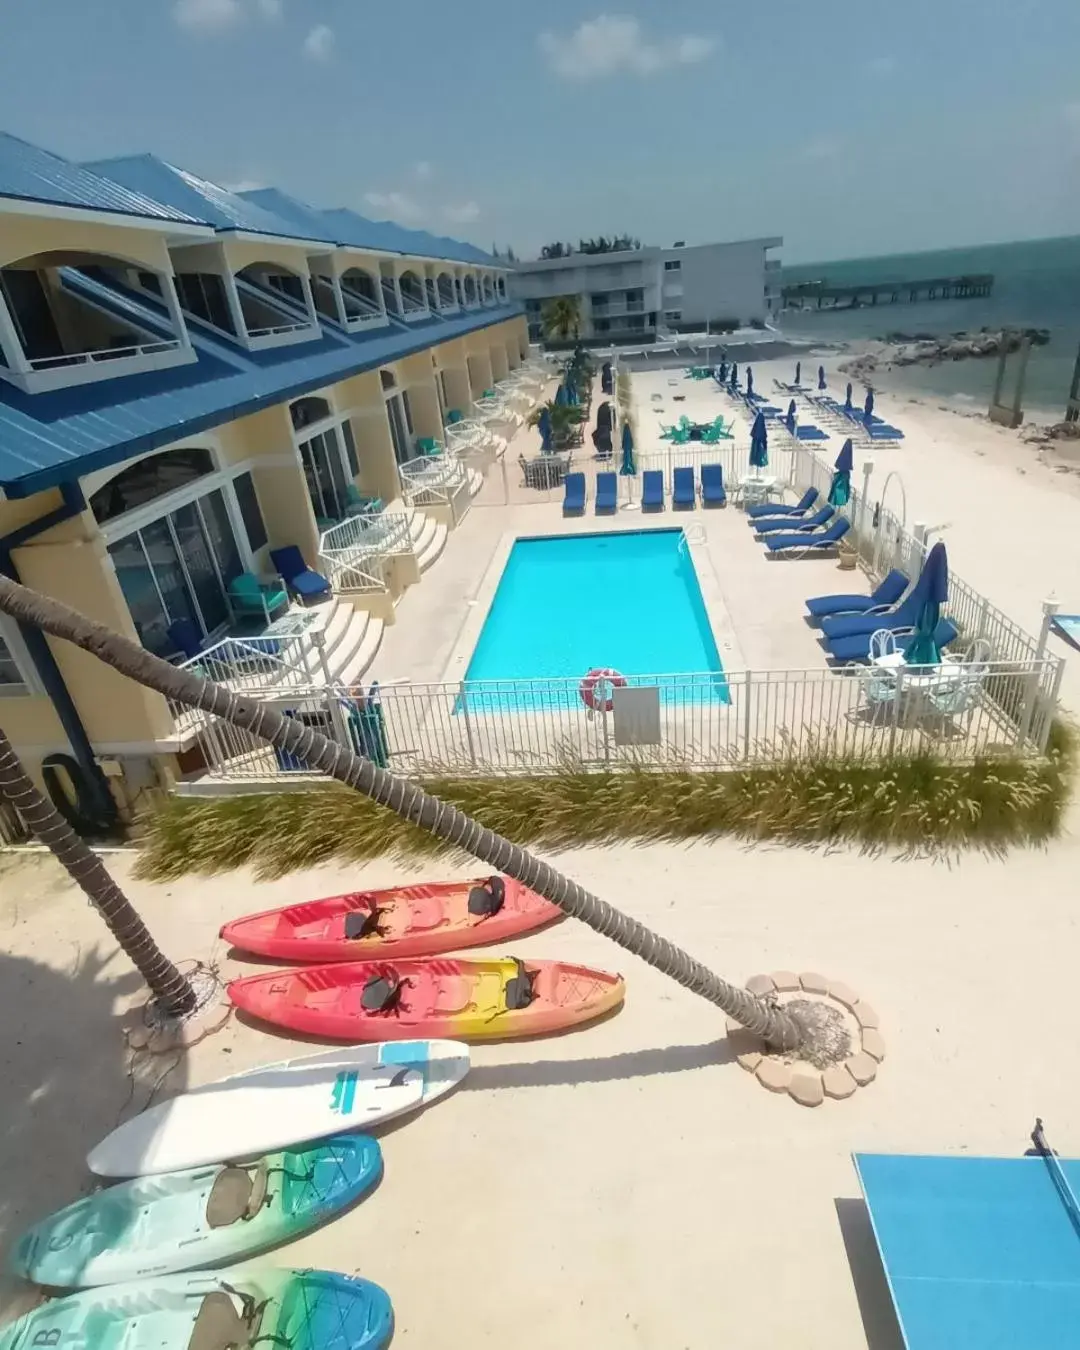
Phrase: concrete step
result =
(434, 548)
(364, 654)
(476, 481)
(351, 643)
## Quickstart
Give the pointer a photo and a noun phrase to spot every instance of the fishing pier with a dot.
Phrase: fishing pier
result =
(823, 295)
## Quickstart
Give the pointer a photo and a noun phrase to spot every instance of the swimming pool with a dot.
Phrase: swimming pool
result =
(627, 599)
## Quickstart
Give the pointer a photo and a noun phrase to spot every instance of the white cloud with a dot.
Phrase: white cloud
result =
(461, 214)
(319, 43)
(882, 65)
(208, 16)
(614, 42)
(822, 147)
(270, 9)
(399, 204)
(422, 170)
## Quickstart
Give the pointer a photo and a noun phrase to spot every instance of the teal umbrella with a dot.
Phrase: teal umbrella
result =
(759, 443)
(933, 585)
(627, 467)
(840, 492)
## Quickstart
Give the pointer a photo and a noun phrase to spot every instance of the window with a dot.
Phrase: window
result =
(673, 265)
(202, 294)
(350, 449)
(252, 516)
(150, 281)
(635, 297)
(287, 285)
(305, 411)
(13, 680)
(148, 479)
(673, 315)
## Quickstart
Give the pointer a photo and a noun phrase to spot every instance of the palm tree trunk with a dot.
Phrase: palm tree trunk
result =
(408, 800)
(173, 994)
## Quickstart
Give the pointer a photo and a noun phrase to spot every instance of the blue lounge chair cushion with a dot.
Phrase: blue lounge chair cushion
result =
(903, 615)
(811, 433)
(857, 647)
(712, 485)
(765, 510)
(607, 492)
(683, 490)
(573, 494)
(777, 543)
(652, 490)
(885, 433)
(888, 593)
(296, 574)
(785, 523)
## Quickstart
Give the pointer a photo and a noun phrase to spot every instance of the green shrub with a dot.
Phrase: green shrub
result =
(918, 803)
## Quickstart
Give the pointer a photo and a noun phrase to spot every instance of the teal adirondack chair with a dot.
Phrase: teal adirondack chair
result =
(248, 595)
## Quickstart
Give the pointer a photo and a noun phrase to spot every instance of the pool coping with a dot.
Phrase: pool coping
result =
(720, 625)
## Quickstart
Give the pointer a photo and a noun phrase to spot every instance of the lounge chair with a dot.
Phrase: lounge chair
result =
(712, 485)
(297, 575)
(811, 433)
(683, 490)
(248, 595)
(573, 494)
(769, 509)
(857, 648)
(805, 544)
(785, 524)
(607, 493)
(186, 637)
(884, 597)
(904, 614)
(652, 490)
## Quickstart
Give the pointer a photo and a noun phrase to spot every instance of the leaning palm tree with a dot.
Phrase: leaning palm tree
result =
(173, 994)
(561, 317)
(779, 1028)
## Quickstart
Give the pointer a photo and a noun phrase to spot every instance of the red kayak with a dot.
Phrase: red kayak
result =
(442, 997)
(402, 921)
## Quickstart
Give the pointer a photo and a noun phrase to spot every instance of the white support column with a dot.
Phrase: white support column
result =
(309, 301)
(9, 341)
(172, 304)
(233, 298)
(397, 294)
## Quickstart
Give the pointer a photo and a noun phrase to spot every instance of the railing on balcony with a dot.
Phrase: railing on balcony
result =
(413, 308)
(361, 310)
(354, 551)
(135, 349)
(432, 480)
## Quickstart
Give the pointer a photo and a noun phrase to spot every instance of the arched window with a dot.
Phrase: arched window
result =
(307, 410)
(149, 479)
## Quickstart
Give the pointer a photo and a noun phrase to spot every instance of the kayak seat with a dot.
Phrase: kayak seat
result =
(362, 923)
(259, 1184)
(381, 994)
(487, 899)
(519, 988)
(219, 1326)
(229, 1198)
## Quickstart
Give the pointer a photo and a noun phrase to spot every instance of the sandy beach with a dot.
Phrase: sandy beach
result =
(629, 1185)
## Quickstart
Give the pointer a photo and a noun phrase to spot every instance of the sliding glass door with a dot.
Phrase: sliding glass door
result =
(179, 567)
(326, 477)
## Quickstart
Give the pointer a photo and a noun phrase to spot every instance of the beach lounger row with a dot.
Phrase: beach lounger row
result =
(684, 490)
(872, 428)
(849, 622)
(797, 530)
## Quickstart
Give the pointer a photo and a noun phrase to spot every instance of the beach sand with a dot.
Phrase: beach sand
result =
(628, 1185)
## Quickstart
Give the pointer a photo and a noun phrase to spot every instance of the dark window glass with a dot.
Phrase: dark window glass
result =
(203, 295)
(150, 281)
(288, 285)
(307, 410)
(28, 305)
(149, 479)
(386, 379)
(249, 510)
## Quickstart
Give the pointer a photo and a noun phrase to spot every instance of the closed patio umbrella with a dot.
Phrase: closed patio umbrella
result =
(868, 406)
(840, 491)
(734, 374)
(759, 443)
(923, 650)
(561, 396)
(789, 420)
(847, 400)
(603, 417)
(798, 372)
(821, 378)
(722, 376)
(749, 381)
(543, 425)
(627, 467)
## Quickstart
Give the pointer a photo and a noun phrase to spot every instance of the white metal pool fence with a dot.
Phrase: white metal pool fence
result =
(668, 722)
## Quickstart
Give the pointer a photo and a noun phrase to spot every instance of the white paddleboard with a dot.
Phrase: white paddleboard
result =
(271, 1107)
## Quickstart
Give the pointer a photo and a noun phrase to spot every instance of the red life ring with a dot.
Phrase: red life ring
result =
(600, 675)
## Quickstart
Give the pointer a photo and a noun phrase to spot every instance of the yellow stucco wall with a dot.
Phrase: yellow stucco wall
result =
(23, 236)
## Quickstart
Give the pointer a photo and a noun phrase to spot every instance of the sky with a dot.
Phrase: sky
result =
(850, 128)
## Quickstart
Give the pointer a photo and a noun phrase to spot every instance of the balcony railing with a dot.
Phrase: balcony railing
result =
(136, 349)
(432, 480)
(355, 549)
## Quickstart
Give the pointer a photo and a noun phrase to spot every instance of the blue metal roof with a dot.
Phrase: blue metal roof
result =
(34, 175)
(49, 438)
(299, 214)
(360, 232)
(227, 211)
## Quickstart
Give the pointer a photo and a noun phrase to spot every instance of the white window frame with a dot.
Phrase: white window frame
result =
(13, 641)
(673, 315)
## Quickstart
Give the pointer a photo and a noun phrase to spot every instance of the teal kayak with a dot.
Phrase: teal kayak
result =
(204, 1216)
(304, 1310)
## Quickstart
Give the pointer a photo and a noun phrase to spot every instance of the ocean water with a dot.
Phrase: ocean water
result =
(1036, 285)
(628, 600)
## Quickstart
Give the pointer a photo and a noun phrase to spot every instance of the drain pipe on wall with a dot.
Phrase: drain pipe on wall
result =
(45, 663)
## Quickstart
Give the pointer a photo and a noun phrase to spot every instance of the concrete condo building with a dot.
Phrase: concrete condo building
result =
(189, 379)
(636, 294)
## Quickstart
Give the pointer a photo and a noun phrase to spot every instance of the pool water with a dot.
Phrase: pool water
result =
(628, 600)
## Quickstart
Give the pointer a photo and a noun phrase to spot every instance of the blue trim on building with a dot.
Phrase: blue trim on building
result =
(28, 173)
(50, 438)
